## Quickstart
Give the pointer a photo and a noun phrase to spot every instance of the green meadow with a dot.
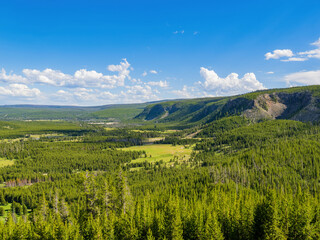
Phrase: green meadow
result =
(5, 162)
(158, 152)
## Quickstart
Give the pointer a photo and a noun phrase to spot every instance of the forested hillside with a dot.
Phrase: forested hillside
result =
(232, 176)
(299, 103)
(116, 112)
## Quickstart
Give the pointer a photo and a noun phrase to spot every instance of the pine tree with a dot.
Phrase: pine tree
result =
(177, 230)
(266, 224)
(10, 224)
(91, 194)
(212, 228)
(150, 235)
(43, 207)
(124, 201)
(64, 210)
(24, 209)
(2, 199)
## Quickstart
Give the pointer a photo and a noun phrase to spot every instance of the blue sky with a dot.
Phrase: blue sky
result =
(102, 52)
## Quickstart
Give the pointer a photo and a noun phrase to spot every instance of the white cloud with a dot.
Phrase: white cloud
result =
(19, 90)
(138, 93)
(294, 59)
(144, 74)
(84, 94)
(311, 54)
(123, 71)
(230, 85)
(136, 81)
(47, 76)
(305, 78)
(316, 43)
(11, 78)
(162, 84)
(83, 74)
(301, 56)
(108, 95)
(62, 96)
(81, 78)
(185, 92)
(278, 53)
(139, 90)
(270, 72)
(153, 71)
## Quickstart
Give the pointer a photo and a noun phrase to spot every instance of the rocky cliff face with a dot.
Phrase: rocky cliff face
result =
(300, 106)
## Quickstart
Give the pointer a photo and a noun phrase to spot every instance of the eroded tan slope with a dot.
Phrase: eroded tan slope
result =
(300, 106)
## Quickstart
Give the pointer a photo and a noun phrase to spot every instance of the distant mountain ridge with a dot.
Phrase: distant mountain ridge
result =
(297, 103)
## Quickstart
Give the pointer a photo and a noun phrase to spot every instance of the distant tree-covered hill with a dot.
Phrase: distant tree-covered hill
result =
(298, 103)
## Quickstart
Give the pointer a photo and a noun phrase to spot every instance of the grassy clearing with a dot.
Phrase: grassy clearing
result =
(171, 131)
(158, 152)
(31, 137)
(7, 209)
(5, 162)
(11, 140)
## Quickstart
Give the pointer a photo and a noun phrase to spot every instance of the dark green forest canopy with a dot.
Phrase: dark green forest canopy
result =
(245, 179)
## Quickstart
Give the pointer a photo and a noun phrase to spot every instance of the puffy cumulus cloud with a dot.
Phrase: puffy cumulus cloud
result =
(230, 85)
(81, 78)
(303, 78)
(19, 90)
(84, 87)
(47, 76)
(84, 78)
(11, 78)
(87, 76)
(162, 84)
(299, 57)
(123, 70)
(279, 53)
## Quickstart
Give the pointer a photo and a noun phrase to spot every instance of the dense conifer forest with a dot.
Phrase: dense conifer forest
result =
(244, 179)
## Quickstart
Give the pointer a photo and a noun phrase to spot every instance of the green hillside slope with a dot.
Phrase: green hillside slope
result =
(299, 103)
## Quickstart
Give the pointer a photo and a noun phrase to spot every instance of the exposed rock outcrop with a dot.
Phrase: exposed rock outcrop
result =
(300, 106)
